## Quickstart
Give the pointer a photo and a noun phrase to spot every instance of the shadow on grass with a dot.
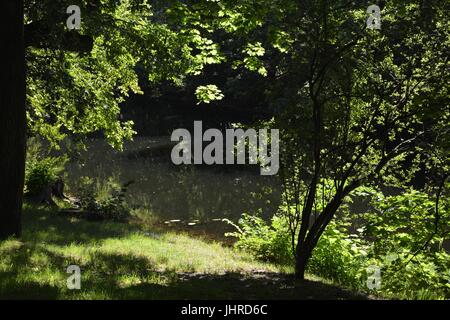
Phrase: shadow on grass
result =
(237, 286)
(114, 276)
(36, 269)
(21, 279)
(52, 227)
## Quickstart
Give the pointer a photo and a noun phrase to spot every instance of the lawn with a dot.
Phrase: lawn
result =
(129, 261)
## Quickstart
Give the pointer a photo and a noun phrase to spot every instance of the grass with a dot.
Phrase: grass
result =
(126, 261)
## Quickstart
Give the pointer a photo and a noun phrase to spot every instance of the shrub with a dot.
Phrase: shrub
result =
(41, 169)
(392, 238)
(337, 256)
(40, 173)
(104, 201)
(407, 239)
(340, 257)
(266, 242)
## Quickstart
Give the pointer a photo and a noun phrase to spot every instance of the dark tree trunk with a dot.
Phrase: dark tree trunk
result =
(12, 117)
(305, 246)
(301, 260)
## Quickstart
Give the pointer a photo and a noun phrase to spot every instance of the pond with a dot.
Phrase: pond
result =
(172, 192)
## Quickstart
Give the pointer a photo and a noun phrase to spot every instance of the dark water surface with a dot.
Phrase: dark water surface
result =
(177, 192)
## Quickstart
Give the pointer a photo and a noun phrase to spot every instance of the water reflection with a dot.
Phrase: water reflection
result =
(178, 192)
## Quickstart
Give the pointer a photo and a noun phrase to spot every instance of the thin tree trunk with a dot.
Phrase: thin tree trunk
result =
(12, 117)
(305, 249)
(301, 260)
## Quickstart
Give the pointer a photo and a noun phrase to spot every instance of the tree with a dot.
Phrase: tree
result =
(356, 106)
(12, 118)
(361, 100)
(76, 79)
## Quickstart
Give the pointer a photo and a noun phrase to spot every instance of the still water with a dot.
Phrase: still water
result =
(177, 192)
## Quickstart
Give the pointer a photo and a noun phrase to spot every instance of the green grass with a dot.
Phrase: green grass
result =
(124, 261)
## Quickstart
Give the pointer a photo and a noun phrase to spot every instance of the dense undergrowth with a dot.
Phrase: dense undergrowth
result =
(395, 252)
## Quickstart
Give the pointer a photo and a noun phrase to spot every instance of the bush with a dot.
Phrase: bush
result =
(392, 238)
(337, 256)
(41, 169)
(407, 240)
(340, 257)
(266, 242)
(104, 201)
(39, 175)
(42, 173)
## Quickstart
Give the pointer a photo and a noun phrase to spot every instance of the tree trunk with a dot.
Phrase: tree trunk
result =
(301, 260)
(306, 246)
(12, 117)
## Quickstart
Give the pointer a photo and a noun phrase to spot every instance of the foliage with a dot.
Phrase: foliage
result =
(265, 242)
(41, 174)
(356, 108)
(407, 236)
(392, 237)
(208, 93)
(340, 256)
(71, 90)
(104, 201)
(41, 170)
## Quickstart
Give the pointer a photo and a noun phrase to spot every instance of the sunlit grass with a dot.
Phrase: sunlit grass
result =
(128, 261)
(112, 257)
